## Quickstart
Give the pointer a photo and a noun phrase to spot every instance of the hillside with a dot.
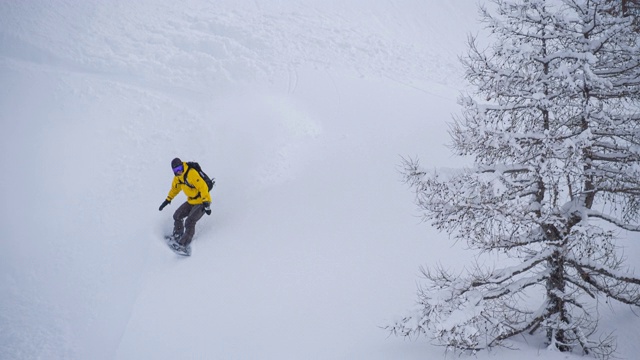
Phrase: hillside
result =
(300, 111)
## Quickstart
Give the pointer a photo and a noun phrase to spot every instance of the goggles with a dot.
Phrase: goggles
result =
(178, 169)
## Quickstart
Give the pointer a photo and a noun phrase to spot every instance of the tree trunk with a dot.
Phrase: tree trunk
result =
(557, 306)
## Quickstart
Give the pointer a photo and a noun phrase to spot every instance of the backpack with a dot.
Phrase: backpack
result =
(195, 166)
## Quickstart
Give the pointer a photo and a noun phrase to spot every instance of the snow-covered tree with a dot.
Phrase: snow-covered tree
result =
(553, 126)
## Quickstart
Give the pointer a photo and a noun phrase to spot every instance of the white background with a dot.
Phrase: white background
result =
(301, 112)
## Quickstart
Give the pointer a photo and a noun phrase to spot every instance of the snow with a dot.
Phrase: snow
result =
(301, 111)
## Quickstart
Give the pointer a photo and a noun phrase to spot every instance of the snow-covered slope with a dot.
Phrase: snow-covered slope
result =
(301, 112)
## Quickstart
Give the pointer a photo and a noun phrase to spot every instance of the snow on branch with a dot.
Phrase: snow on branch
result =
(613, 220)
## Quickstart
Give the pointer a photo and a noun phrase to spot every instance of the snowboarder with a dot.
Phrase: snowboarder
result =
(197, 204)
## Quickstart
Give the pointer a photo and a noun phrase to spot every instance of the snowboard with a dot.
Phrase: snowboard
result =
(173, 245)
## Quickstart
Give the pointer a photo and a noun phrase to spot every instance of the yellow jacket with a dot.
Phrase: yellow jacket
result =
(195, 188)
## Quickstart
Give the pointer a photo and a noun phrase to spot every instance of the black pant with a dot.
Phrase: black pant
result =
(183, 230)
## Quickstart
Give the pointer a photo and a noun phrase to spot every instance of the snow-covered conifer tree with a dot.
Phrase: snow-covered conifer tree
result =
(553, 127)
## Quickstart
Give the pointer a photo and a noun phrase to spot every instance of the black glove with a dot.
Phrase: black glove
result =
(164, 203)
(207, 208)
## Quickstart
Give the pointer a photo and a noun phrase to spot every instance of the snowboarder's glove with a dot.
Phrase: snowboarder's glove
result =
(207, 208)
(164, 203)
